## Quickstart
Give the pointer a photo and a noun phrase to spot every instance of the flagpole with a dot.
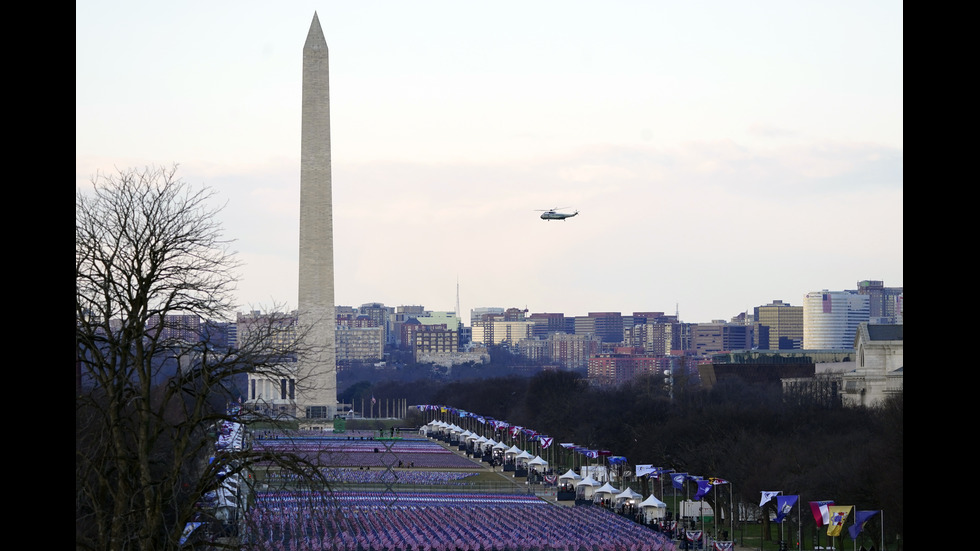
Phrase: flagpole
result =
(717, 513)
(882, 518)
(780, 523)
(731, 508)
(676, 515)
(781, 533)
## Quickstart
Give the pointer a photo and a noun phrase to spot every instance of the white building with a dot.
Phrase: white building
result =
(831, 318)
(880, 365)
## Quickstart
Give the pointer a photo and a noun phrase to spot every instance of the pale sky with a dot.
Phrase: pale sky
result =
(721, 154)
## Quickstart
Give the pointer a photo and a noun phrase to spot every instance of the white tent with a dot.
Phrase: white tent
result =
(585, 488)
(653, 508)
(523, 458)
(570, 477)
(629, 494)
(607, 491)
(443, 427)
(627, 498)
(537, 462)
(510, 455)
(567, 481)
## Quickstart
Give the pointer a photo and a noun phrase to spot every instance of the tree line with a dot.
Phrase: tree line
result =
(750, 434)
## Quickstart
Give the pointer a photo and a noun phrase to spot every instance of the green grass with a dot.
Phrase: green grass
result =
(750, 535)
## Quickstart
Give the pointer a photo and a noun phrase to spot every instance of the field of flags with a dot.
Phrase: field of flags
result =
(436, 520)
(440, 522)
(421, 510)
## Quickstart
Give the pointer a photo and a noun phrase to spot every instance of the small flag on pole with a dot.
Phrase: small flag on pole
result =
(766, 496)
(860, 518)
(784, 504)
(838, 514)
(821, 511)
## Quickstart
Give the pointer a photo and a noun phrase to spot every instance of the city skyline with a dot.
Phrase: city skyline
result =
(721, 156)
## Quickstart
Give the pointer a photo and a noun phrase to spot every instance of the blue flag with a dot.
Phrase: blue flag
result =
(784, 504)
(860, 518)
(704, 486)
(678, 480)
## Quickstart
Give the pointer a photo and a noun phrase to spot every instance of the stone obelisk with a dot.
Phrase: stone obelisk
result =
(317, 363)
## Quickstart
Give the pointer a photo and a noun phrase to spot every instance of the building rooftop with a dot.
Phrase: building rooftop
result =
(885, 332)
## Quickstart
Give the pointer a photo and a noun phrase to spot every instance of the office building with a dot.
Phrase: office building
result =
(779, 326)
(359, 342)
(831, 318)
(573, 351)
(718, 336)
(885, 303)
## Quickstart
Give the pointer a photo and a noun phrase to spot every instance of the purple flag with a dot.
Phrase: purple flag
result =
(704, 486)
(860, 518)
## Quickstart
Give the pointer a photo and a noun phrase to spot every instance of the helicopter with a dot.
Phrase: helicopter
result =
(553, 214)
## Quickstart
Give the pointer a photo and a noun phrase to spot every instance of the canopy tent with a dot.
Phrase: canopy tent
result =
(537, 463)
(435, 427)
(652, 508)
(570, 477)
(510, 455)
(607, 491)
(627, 497)
(500, 446)
(566, 482)
(523, 458)
(585, 488)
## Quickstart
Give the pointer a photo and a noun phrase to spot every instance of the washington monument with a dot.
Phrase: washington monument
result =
(317, 364)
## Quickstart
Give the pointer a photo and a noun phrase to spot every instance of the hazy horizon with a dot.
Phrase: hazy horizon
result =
(721, 156)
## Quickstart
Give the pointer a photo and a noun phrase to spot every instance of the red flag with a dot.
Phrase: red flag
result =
(821, 512)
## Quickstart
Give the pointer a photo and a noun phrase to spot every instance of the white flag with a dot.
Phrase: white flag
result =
(766, 496)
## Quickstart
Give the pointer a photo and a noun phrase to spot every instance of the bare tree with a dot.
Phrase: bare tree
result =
(150, 259)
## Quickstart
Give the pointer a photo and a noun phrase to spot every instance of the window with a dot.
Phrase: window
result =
(316, 412)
